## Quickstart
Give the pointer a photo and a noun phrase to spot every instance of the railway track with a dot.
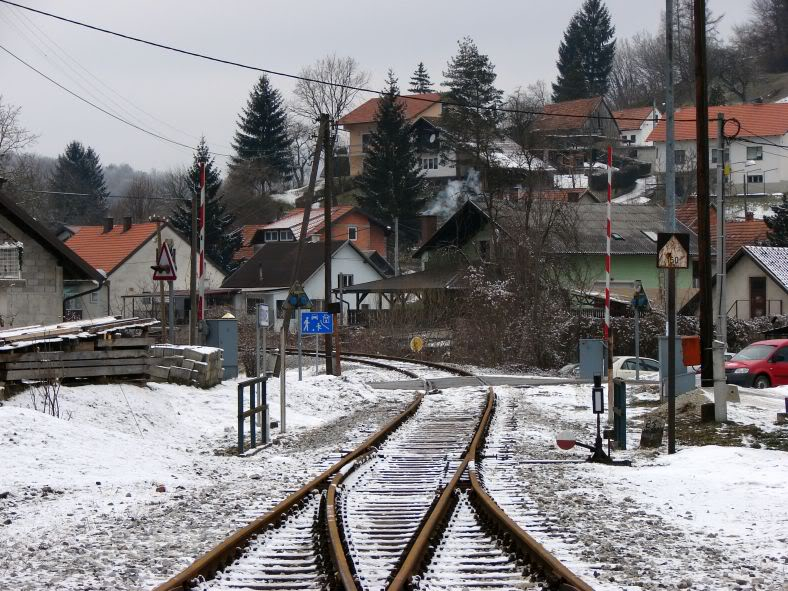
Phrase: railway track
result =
(404, 510)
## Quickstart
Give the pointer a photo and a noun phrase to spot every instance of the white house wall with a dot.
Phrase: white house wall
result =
(737, 287)
(773, 158)
(135, 275)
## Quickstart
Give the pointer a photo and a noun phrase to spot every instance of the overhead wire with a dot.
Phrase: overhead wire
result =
(236, 64)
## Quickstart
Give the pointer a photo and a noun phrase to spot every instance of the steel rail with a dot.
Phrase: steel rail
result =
(415, 553)
(224, 553)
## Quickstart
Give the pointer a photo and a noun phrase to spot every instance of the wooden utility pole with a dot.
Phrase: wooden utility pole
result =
(309, 196)
(704, 230)
(162, 307)
(327, 202)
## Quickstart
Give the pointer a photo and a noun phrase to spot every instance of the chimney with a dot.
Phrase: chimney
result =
(109, 223)
(749, 216)
(429, 225)
(127, 223)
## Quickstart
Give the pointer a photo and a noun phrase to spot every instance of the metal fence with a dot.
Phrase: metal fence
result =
(257, 412)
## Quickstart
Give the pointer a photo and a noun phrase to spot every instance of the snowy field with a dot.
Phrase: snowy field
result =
(78, 501)
(79, 507)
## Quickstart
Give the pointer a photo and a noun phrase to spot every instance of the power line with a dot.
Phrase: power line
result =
(95, 106)
(307, 79)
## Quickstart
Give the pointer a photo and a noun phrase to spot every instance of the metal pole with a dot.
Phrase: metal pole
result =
(171, 311)
(670, 146)
(300, 376)
(722, 312)
(163, 314)
(193, 270)
(637, 344)
(264, 353)
(282, 384)
(257, 341)
(327, 280)
(671, 361)
(317, 352)
(607, 335)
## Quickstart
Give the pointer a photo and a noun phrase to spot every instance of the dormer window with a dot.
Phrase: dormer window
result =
(271, 235)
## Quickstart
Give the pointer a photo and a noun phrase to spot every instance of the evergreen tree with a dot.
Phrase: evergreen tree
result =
(261, 138)
(777, 235)
(79, 170)
(472, 120)
(420, 81)
(392, 183)
(585, 56)
(221, 241)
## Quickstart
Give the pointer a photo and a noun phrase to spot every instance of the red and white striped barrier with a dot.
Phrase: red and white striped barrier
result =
(607, 255)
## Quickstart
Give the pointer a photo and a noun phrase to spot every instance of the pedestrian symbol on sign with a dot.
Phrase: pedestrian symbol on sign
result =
(317, 323)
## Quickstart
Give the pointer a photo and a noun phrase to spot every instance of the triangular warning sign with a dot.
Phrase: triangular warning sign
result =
(164, 270)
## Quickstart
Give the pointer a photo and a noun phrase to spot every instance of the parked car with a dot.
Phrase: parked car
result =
(760, 365)
(624, 367)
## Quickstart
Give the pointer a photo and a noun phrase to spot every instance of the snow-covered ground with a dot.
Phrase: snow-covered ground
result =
(706, 518)
(638, 195)
(79, 508)
(78, 501)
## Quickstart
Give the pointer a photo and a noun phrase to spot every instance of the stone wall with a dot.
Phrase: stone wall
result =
(200, 366)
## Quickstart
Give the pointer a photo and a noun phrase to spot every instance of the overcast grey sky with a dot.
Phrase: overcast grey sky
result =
(183, 97)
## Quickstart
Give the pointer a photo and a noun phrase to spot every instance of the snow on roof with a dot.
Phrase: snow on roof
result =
(773, 259)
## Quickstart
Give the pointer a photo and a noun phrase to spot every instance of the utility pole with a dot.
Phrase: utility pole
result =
(722, 313)
(162, 307)
(704, 231)
(670, 212)
(327, 197)
(193, 265)
(396, 245)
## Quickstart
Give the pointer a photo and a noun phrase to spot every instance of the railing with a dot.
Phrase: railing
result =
(773, 308)
(258, 405)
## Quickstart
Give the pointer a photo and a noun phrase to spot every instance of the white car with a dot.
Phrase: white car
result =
(624, 367)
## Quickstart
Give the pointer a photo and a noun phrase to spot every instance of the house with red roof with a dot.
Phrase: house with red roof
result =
(125, 253)
(348, 222)
(246, 251)
(757, 151)
(636, 125)
(423, 111)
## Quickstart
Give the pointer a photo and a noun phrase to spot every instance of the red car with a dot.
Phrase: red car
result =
(760, 365)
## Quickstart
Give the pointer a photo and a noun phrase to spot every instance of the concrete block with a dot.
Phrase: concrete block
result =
(187, 364)
(159, 372)
(733, 394)
(181, 375)
(194, 355)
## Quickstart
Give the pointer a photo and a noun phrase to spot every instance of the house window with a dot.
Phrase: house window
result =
(365, 139)
(280, 309)
(94, 297)
(680, 156)
(271, 236)
(632, 138)
(429, 163)
(345, 279)
(251, 305)
(484, 249)
(352, 233)
(284, 235)
(755, 178)
(754, 153)
(10, 261)
(715, 153)
(617, 236)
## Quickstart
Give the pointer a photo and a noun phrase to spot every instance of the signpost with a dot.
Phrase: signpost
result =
(165, 270)
(672, 254)
(317, 323)
(639, 304)
(263, 322)
(296, 300)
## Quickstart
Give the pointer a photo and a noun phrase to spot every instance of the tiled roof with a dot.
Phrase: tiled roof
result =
(767, 119)
(773, 260)
(247, 249)
(106, 251)
(738, 233)
(567, 114)
(414, 104)
(632, 119)
(294, 217)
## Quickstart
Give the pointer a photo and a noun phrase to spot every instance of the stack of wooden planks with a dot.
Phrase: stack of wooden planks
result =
(86, 348)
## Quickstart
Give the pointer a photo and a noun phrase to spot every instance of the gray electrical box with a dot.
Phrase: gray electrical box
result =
(223, 334)
(593, 358)
(685, 381)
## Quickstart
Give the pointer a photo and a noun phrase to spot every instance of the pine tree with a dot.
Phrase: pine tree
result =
(472, 120)
(262, 133)
(79, 170)
(777, 235)
(420, 82)
(392, 183)
(585, 56)
(221, 242)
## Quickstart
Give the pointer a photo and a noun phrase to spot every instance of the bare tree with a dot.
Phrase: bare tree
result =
(144, 198)
(313, 98)
(302, 142)
(13, 136)
(247, 192)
